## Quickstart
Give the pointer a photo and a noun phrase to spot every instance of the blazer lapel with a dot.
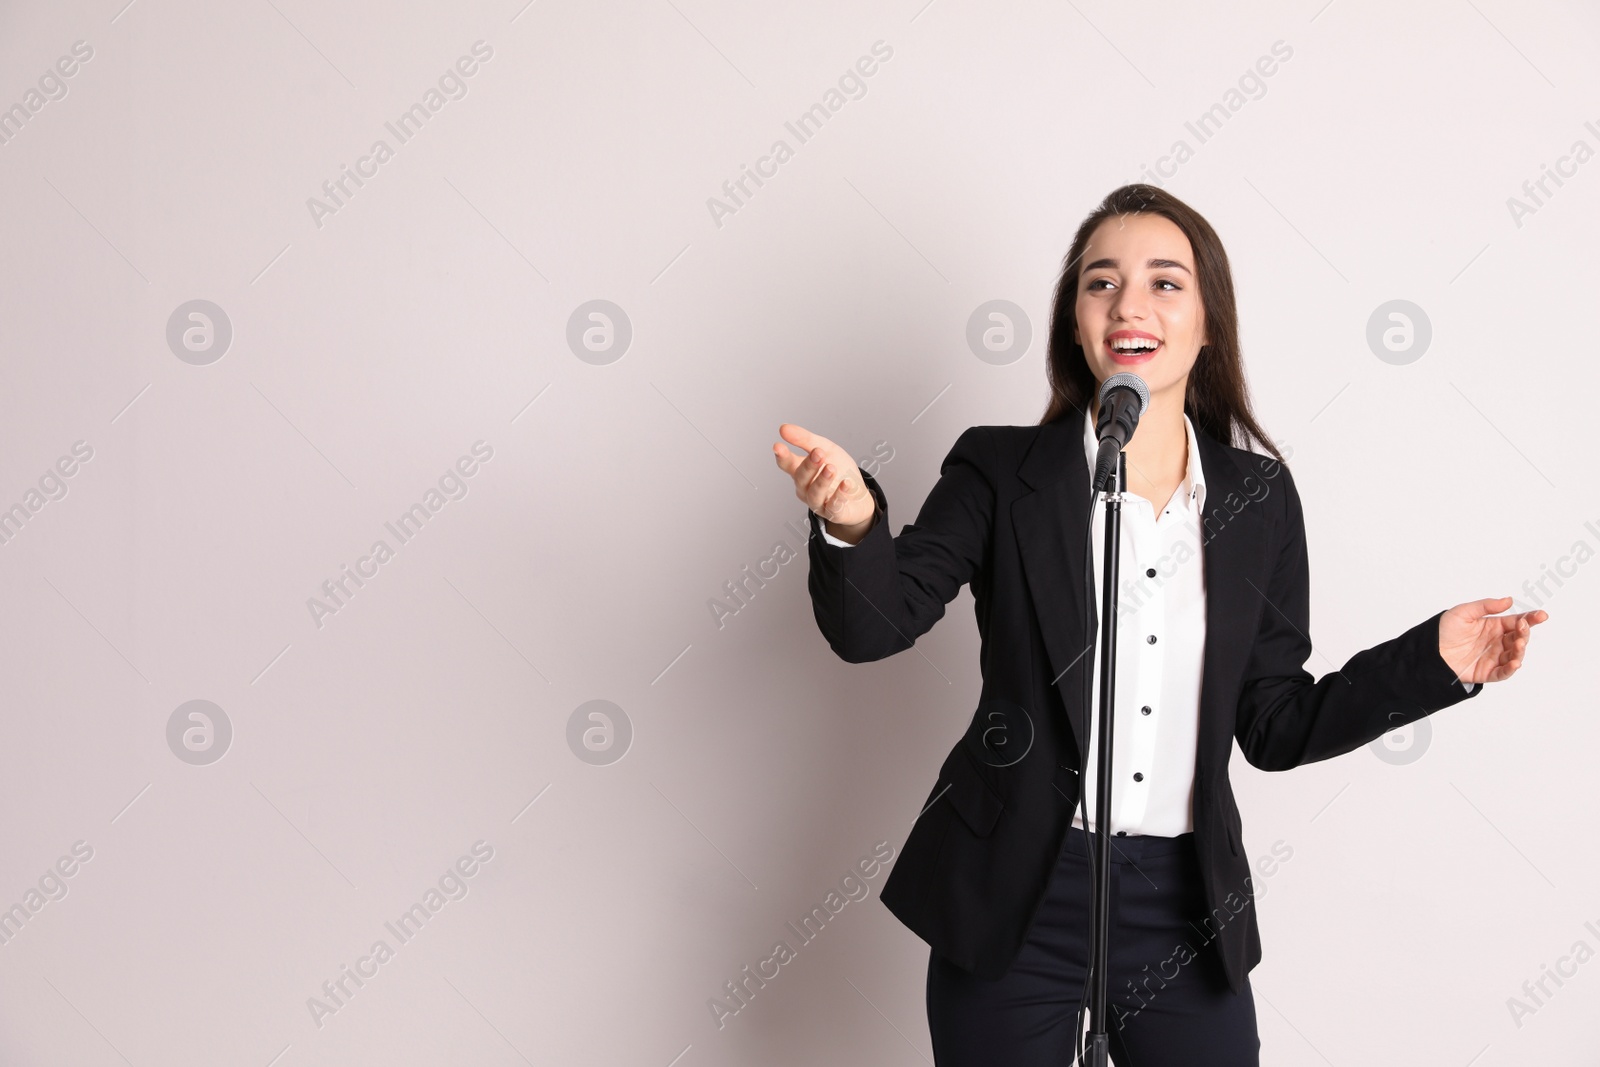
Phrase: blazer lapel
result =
(1050, 524)
(1051, 529)
(1234, 533)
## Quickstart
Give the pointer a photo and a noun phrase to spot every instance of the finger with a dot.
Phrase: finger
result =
(819, 494)
(847, 491)
(818, 461)
(801, 437)
(836, 500)
(788, 462)
(1477, 609)
(1508, 624)
(811, 459)
(804, 470)
(851, 488)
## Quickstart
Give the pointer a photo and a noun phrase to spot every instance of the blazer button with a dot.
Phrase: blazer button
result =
(1145, 710)
(1151, 639)
(1138, 777)
(1150, 573)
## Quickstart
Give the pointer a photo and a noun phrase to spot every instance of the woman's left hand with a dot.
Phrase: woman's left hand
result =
(1481, 646)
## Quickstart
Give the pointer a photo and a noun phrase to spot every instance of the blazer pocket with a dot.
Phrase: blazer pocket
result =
(970, 793)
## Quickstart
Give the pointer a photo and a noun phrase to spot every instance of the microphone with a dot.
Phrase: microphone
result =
(1123, 398)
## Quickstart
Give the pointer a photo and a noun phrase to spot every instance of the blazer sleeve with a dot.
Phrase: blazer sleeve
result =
(1284, 718)
(877, 597)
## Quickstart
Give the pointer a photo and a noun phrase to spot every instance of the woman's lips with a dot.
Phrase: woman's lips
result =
(1131, 359)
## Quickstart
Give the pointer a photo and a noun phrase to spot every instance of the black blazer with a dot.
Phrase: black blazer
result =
(1008, 516)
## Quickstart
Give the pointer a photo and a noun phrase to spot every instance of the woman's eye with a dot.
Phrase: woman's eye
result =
(1097, 282)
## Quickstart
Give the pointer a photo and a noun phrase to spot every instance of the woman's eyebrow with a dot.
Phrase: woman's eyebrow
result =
(1153, 264)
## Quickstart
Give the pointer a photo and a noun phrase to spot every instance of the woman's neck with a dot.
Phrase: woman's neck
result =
(1158, 454)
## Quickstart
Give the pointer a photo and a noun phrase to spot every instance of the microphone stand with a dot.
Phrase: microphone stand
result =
(1099, 955)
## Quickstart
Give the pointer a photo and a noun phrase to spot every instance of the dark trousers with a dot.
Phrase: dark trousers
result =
(1170, 1001)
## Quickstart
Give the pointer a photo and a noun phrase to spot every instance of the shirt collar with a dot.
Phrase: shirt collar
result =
(1194, 475)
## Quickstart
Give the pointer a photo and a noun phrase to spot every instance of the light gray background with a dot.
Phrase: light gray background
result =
(431, 312)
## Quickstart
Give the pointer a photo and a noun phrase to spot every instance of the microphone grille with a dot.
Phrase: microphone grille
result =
(1127, 380)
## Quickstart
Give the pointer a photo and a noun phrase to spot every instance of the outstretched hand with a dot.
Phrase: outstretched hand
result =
(1481, 646)
(828, 480)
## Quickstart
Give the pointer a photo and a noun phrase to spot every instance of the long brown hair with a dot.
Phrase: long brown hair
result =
(1217, 400)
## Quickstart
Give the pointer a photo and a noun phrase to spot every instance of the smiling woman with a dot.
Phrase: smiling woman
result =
(998, 873)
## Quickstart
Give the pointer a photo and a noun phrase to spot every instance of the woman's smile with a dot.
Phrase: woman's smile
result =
(1129, 348)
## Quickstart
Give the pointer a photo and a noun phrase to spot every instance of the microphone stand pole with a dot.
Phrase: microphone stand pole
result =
(1099, 956)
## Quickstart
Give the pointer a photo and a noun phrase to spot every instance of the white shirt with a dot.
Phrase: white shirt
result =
(1158, 684)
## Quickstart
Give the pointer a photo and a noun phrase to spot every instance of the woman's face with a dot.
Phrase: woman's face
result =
(1138, 283)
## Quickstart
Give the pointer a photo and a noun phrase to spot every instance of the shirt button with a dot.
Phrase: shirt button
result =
(1151, 573)
(1138, 777)
(1151, 639)
(1122, 833)
(1145, 710)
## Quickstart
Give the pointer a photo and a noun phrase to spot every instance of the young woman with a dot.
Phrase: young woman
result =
(1212, 640)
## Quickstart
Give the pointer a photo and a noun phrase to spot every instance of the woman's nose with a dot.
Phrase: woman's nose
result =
(1131, 307)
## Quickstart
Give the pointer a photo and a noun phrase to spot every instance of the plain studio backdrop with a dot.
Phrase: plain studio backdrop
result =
(533, 781)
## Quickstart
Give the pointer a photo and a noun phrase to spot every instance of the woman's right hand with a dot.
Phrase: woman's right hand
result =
(828, 481)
